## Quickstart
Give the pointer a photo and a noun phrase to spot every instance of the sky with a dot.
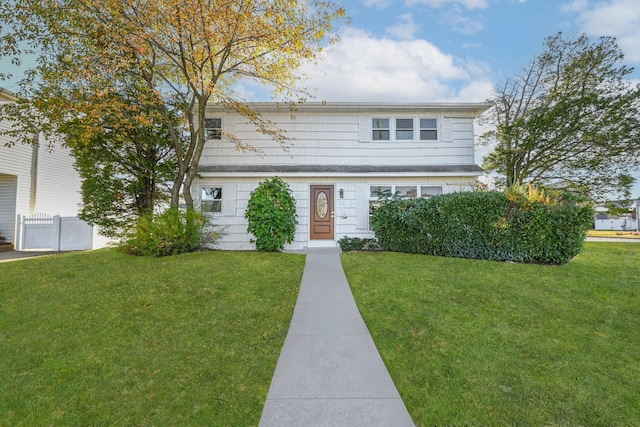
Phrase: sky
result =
(452, 50)
(456, 50)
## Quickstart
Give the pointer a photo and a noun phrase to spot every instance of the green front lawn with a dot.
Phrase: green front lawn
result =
(103, 338)
(472, 342)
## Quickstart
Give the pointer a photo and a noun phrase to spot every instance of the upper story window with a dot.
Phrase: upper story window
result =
(428, 129)
(404, 129)
(213, 128)
(380, 129)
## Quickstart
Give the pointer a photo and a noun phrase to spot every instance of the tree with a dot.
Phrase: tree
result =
(125, 164)
(187, 53)
(570, 119)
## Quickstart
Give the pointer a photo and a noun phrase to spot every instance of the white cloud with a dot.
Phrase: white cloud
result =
(470, 4)
(616, 18)
(574, 6)
(364, 68)
(405, 28)
(461, 23)
(379, 4)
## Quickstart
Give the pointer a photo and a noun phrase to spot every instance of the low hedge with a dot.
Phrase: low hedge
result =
(512, 226)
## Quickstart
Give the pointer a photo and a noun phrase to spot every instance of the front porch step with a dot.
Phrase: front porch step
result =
(322, 244)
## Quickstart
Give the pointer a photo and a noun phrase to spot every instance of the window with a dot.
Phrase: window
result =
(402, 191)
(404, 129)
(211, 199)
(380, 129)
(429, 191)
(428, 129)
(213, 128)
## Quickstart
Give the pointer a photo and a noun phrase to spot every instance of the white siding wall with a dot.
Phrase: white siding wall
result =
(8, 185)
(335, 140)
(58, 188)
(351, 211)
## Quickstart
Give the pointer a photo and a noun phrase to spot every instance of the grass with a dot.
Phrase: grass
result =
(471, 342)
(103, 338)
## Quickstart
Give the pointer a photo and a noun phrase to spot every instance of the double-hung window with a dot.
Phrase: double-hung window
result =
(211, 199)
(404, 129)
(213, 128)
(428, 130)
(381, 131)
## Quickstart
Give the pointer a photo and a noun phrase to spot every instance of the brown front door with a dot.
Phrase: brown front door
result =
(322, 212)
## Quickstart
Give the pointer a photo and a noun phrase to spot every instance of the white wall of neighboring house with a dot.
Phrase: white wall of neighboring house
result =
(36, 180)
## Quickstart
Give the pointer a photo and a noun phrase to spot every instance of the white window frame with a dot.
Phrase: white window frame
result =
(395, 133)
(428, 129)
(220, 199)
(211, 130)
(381, 128)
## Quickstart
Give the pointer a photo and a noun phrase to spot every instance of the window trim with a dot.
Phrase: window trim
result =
(220, 199)
(212, 132)
(416, 130)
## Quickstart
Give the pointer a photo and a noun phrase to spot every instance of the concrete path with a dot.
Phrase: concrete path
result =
(330, 372)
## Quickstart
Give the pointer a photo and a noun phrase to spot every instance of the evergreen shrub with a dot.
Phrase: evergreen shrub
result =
(271, 213)
(348, 244)
(519, 225)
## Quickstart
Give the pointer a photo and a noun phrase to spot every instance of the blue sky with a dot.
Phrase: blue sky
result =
(452, 50)
(457, 50)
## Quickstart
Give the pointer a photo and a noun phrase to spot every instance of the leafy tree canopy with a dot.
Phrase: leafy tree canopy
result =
(185, 53)
(570, 119)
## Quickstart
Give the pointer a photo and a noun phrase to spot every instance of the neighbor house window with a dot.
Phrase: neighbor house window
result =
(428, 129)
(211, 199)
(404, 129)
(213, 128)
(380, 129)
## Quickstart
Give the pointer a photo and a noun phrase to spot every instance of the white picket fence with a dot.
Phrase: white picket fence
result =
(46, 232)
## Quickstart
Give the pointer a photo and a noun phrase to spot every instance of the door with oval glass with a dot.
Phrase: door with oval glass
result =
(322, 212)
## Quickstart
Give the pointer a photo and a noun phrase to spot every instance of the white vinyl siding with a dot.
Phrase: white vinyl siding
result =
(336, 140)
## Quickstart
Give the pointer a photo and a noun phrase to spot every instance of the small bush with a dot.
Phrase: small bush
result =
(171, 232)
(271, 213)
(348, 244)
(531, 227)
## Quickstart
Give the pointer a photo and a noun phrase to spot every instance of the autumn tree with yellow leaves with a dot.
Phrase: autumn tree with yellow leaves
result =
(183, 54)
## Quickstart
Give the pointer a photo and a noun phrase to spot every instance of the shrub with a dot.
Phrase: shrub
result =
(171, 232)
(521, 226)
(271, 213)
(348, 244)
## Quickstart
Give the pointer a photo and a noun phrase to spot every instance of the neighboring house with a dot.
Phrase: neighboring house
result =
(342, 155)
(625, 220)
(34, 180)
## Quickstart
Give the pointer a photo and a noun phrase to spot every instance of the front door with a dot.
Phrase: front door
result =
(322, 212)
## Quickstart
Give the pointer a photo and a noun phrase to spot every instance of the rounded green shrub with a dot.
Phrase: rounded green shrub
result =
(271, 213)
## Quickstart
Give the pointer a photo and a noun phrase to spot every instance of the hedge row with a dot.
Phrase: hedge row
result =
(510, 226)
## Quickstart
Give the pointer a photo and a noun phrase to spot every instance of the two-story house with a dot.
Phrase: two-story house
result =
(341, 157)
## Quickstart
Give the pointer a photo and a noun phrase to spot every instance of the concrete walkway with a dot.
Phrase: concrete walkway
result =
(330, 372)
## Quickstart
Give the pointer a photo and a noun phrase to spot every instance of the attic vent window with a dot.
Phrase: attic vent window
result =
(213, 128)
